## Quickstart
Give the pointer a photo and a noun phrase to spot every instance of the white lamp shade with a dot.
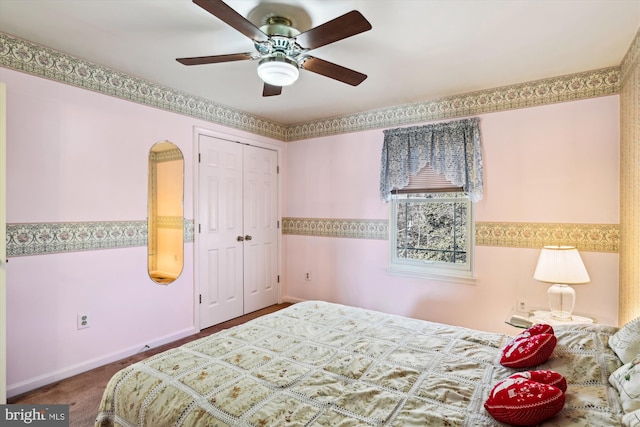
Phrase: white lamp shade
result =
(561, 264)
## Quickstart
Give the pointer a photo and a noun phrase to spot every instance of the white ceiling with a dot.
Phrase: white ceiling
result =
(417, 50)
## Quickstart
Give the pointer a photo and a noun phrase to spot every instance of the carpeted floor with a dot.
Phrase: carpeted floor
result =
(83, 392)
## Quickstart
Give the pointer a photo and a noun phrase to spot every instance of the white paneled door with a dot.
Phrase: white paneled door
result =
(237, 229)
(260, 221)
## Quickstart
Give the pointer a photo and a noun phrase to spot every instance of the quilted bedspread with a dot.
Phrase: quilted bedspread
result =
(322, 364)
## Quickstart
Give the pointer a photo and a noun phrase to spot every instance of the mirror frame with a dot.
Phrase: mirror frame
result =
(165, 220)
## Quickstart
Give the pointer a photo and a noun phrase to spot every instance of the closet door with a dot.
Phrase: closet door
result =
(220, 258)
(260, 228)
(237, 243)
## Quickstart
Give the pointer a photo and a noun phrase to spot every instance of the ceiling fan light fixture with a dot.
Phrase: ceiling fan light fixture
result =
(278, 70)
(281, 47)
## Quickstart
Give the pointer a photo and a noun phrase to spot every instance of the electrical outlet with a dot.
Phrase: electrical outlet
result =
(521, 305)
(84, 320)
(307, 276)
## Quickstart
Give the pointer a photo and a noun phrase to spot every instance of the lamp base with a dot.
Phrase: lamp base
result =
(562, 299)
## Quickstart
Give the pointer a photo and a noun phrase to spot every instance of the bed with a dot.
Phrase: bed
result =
(322, 364)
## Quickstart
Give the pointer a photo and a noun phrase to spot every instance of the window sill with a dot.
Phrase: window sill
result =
(463, 277)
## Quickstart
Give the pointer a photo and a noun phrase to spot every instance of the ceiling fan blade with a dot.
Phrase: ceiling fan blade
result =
(270, 90)
(344, 26)
(222, 11)
(333, 71)
(199, 60)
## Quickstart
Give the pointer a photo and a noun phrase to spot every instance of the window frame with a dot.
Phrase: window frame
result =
(444, 271)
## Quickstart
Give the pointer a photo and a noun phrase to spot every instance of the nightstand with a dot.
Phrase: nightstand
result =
(526, 319)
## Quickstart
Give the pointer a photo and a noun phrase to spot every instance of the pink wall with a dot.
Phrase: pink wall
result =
(556, 163)
(78, 156)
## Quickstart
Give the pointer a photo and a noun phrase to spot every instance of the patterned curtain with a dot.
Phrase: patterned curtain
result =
(452, 149)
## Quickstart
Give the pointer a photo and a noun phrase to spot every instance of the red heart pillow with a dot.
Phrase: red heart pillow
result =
(545, 377)
(540, 328)
(528, 352)
(530, 348)
(523, 402)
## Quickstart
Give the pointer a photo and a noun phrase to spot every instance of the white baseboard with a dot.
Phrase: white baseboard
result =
(45, 379)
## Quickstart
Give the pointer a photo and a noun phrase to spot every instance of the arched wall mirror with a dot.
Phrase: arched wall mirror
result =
(166, 215)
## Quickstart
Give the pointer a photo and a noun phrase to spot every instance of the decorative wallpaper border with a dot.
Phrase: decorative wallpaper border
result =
(558, 89)
(34, 59)
(50, 238)
(630, 60)
(377, 229)
(586, 237)
(166, 156)
(43, 238)
(173, 222)
(629, 291)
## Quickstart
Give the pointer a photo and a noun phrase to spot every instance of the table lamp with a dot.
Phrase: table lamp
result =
(561, 266)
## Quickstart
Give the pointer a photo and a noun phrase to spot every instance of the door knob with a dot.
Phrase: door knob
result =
(248, 237)
(240, 239)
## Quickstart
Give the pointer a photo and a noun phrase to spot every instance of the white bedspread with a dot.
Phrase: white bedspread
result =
(322, 364)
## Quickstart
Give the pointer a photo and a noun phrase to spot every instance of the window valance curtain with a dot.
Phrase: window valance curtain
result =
(452, 149)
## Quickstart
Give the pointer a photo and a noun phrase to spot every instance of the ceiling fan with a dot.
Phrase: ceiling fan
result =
(282, 49)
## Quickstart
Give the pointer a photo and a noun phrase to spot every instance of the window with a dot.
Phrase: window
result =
(432, 234)
(431, 174)
(431, 227)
